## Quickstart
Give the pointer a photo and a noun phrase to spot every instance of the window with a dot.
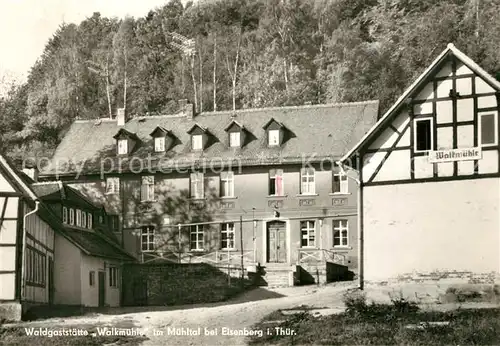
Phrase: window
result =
(308, 231)
(339, 181)
(159, 144)
(148, 238)
(122, 146)
(423, 135)
(91, 278)
(276, 182)
(488, 129)
(113, 276)
(65, 214)
(36, 264)
(84, 219)
(196, 238)
(89, 220)
(274, 137)
(148, 188)
(71, 216)
(234, 139)
(78, 217)
(340, 233)
(227, 184)
(227, 236)
(307, 184)
(197, 142)
(112, 185)
(197, 185)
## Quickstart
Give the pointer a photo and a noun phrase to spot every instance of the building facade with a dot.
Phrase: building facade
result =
(430, 179)
(248, 188)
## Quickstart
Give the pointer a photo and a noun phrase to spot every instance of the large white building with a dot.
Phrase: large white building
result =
(430, 182)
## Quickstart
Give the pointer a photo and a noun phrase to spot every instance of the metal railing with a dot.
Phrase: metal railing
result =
(320, 255)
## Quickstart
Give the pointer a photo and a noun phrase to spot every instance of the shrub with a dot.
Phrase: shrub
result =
(402, 305)
(355, 301)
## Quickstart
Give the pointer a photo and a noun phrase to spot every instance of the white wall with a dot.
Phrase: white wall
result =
(67, 277)
(423, 227)
(90, 294)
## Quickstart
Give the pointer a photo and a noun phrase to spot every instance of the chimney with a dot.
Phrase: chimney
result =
(186, 108)
(31, 172)
(120, 116)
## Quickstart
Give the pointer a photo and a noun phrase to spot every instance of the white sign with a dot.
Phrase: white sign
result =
(450, 155)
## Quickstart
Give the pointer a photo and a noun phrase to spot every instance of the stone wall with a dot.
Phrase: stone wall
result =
(178, 283)
(322, 273)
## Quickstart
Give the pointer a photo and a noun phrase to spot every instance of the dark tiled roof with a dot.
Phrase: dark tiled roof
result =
(48, 190)
(322, 130)
(96, 245)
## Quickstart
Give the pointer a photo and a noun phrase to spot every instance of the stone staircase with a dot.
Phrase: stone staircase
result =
(278, 276)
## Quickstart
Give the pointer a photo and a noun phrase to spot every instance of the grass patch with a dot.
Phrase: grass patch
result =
(398, 323)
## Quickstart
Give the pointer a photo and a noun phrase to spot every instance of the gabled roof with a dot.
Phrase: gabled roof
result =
(126, 133)
(450, 50)
(195, 126)
(272, 120)
(57, 190)
(159, 129)
(325, 131)
(234, 122)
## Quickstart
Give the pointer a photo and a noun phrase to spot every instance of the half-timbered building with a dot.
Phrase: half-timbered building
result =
(429, 176)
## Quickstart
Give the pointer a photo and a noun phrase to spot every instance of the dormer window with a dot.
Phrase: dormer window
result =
(163, 139)
(159, 144)
(125, 141)
(199, 137)
(122, 147)
(234, 139)
(274, 137)
(197, 142)
(275, 133)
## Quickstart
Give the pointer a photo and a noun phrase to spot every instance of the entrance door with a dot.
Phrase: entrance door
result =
(51, 281)
(276, 242)
(102, 288)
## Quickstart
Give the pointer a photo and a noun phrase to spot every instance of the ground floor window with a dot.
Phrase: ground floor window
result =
(227, 236)
(36, 267)
(308, 233)
(92, 278)
(196, 238)
(340, 233)
(113, 277)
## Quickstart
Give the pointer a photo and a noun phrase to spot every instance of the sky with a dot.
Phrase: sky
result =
(27, 25)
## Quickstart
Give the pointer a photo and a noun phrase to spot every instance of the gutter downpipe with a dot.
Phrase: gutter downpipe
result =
(360, 219)
(23, 265)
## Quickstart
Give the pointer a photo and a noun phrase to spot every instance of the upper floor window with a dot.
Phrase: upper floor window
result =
(91, 278)
(196, 238)
(159, 144)
(274, 137)
(148, 238)
(308, 233)
(234, 139)
(227, 184)
(488, 129)
(78, 217)
(423, 132)
(339, 181)
(112, 185)
(197, 185)
(307, 183)
(227, 236)
(148, 188)
(65, 214)
(340, 233)
(84, 219)
(89, 220)
(113, 276)
(122, 146)
(71, 216)
(276, 182)
(197, 142)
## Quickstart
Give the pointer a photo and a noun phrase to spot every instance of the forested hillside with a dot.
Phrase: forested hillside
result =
(239, 54)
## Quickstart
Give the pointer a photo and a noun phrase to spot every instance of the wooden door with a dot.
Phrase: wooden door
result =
(276, 242)
(102, 288)
(51, 281)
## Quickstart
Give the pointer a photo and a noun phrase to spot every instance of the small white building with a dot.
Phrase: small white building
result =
(430, 183)
(43, 261)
